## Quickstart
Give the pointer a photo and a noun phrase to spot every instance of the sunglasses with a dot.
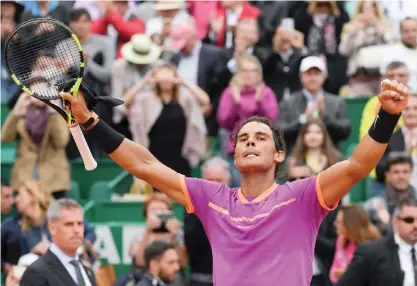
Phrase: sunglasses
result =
(296, 179)
(407, 219)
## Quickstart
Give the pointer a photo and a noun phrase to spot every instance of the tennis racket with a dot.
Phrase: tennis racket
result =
(43, 58)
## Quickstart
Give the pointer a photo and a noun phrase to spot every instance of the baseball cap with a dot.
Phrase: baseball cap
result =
(179, 36)
(313, 62)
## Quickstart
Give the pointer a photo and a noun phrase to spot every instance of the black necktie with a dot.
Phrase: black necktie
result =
(80, 279)
(413, 258)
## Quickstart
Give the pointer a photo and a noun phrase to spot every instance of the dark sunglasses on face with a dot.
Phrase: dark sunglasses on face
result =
(407, 219)
(296, 179)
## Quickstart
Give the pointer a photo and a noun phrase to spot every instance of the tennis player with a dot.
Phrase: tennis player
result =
(261, 233)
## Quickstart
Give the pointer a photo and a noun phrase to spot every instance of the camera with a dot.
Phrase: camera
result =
(164, 217)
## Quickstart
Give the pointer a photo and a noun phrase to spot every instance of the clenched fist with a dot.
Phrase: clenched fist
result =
(394, 96)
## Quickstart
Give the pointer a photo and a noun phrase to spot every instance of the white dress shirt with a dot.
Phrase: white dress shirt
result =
(404, 253)
(65, 260)
(188, 66)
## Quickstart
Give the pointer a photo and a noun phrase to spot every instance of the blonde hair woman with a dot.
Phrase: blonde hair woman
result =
(368, 27)
(32, 201)
(246, 96)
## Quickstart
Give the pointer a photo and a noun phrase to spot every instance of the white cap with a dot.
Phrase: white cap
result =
(27, 259)
(313, 62)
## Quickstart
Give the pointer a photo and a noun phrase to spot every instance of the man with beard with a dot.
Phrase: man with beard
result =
(61, 265)
(162, 264)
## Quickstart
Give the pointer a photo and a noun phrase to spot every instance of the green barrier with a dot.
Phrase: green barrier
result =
(114, 241)
(105, 171)
(105, 211)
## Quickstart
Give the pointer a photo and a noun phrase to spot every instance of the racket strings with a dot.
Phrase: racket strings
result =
(43, 56)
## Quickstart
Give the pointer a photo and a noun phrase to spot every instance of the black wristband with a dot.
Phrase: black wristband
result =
(383, 126)
(106, 137)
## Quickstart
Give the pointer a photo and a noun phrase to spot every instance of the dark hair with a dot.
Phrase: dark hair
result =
(395, 65)
(328, 149)
(76, 14)
(4, 182)
(276, 133)
(155, 250)
(398, 157)
(404, 203)
(406, 19)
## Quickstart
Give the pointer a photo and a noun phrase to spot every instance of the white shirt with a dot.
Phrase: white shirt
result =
(404, 253)
(188, 66)
(65, 260)
(232, 18)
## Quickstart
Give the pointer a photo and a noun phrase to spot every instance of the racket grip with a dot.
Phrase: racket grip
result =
(88, 159)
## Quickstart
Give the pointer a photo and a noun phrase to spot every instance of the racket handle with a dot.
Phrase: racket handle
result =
(88, 159)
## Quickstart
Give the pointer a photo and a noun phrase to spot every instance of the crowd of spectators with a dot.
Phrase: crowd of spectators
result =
(187, 72)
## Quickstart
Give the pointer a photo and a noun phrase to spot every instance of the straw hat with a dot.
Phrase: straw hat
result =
(164, 5)
(141, 50)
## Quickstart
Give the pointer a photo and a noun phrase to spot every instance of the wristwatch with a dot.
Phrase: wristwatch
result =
(93, 118)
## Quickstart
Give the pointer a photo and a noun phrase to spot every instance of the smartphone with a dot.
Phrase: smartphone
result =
(163, 217)
(288, 23)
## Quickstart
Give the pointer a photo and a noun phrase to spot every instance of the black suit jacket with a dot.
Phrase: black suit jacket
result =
(49, 271)
(375, 264)
(396, 143)
(208, 57)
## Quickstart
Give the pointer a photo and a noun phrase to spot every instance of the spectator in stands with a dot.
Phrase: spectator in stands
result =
(32, 202)
(7, 200)
(314, 148)
(394, 70)
(197, 244)
(223, 25)
(194, 60)
(246, 39)
(128, 72)
(168, 15)
(399, 167)
(321, 22)
(60, 265)
(98, 54)
(404, 139)
(45, 9)
(406, 50)
(203, 12)
(367, 28)
(43, 136)
(117, 23)
(157, 230)
(272, 13)
(390, 260)
(281, 68)
(396, 11)
(162, 264)
(313, 102)
(175, 129)
(246, 96)
(10, 14)
(353, 228)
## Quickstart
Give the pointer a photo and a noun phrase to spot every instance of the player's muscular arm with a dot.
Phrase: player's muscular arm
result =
(131, 156)
(336, 181)
(138, 161)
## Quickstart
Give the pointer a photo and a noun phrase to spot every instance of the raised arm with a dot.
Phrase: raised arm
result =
(131, 156)
(336, 181)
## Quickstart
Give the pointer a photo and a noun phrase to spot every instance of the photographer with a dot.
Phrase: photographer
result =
(160, 225)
